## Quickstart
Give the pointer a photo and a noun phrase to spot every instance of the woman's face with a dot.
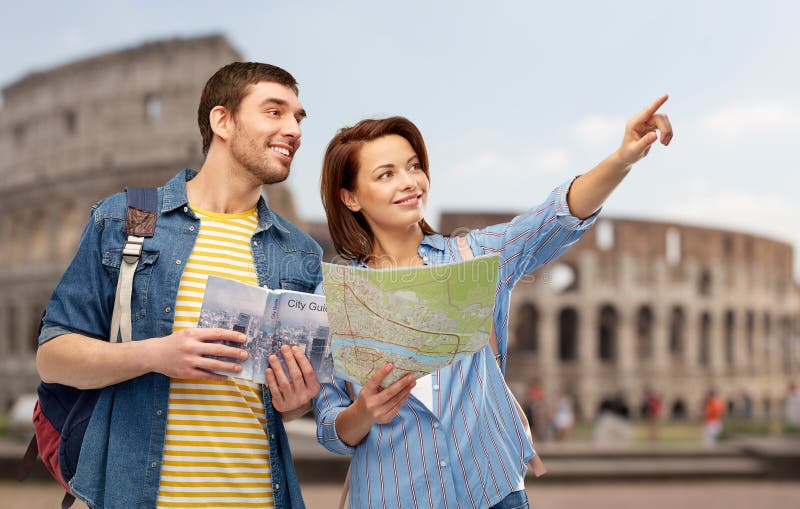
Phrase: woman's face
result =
(391, 190)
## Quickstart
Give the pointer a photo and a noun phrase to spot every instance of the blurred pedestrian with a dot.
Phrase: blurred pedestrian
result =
(612, 426)
(536, 410)
(744, 405)
(791, 407)
(652, 413)
(713, 415)
(563, 416)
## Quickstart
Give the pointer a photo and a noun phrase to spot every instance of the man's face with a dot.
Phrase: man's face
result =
(266, 131)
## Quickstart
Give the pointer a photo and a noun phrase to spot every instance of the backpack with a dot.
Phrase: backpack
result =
(62, 413)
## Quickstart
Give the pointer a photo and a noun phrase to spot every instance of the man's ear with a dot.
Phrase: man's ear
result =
(349, 199)
(221, 122)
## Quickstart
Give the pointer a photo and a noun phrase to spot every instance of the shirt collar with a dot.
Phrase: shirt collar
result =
(175, 191)
(267, 218)
(175, 197)
(435, 241)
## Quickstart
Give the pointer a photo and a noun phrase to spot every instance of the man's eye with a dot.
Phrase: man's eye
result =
(273, 113)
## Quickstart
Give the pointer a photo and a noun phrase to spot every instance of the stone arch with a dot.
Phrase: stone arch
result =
(704, 283)
(568, 334)
(750, 332)
(786, 344)
(704, 353)
(71, 228)
(527, 328)
(19, 240)
(564, 277)
(644, 332)
(6, 328)
(70, 118)
(728, 245)
(677, 331)
(677, 410)
(767, 340)
(729, 337)
(12, 329)
(5, 237)
(672, 246)
(37, 310)
(795, 338)
(39, 238)
(152, 108)
(608, 326)
(604, 235)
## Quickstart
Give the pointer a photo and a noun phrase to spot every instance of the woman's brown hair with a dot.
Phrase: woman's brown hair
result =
(350, 233)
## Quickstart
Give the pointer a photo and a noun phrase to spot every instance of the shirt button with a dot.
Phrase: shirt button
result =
(153, 464)
(191, 228)
(159, 412)
(167, 309)
(277, 486)
(255, 242)
(186, 209)
(178, 262)
(436, 387)
(272, 436)
(436, 425)
(443, 463)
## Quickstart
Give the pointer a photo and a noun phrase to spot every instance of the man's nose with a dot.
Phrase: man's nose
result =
(291, 127)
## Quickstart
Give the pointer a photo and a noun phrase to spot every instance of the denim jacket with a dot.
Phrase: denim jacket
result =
(121, 453)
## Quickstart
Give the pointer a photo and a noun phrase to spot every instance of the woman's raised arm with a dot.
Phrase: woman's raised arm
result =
(591, 189)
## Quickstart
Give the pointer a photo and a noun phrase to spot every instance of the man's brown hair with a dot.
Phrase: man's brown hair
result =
(228, 86)
(350, 233)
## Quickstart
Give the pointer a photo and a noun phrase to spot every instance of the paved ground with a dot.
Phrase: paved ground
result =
(650, 495)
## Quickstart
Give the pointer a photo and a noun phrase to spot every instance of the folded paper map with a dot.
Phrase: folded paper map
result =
(418, 319)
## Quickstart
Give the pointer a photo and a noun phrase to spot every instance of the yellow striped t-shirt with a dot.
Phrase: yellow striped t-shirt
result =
(216, 453)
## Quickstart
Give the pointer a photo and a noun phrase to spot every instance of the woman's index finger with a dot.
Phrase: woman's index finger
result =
(650, 110)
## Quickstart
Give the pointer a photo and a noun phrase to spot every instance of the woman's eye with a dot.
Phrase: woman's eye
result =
(385, 175)
(415, 167)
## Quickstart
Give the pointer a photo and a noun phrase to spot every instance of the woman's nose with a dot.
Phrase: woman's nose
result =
(408, 180)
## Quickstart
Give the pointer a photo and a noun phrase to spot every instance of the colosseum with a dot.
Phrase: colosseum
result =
(73, 134)
(633, 306)
(639, 306)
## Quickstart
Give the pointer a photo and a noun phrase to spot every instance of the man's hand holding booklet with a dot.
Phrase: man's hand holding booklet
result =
(269, 319)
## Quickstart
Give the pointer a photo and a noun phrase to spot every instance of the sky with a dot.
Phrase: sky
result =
(513, 98)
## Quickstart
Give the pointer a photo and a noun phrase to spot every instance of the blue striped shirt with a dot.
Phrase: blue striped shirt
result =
(471, 450)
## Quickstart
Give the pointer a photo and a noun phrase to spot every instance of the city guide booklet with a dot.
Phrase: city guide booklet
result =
(269, 319)
(419, 319)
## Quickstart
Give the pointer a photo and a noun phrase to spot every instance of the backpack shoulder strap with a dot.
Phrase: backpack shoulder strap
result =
(140, 222)
(26, 465)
